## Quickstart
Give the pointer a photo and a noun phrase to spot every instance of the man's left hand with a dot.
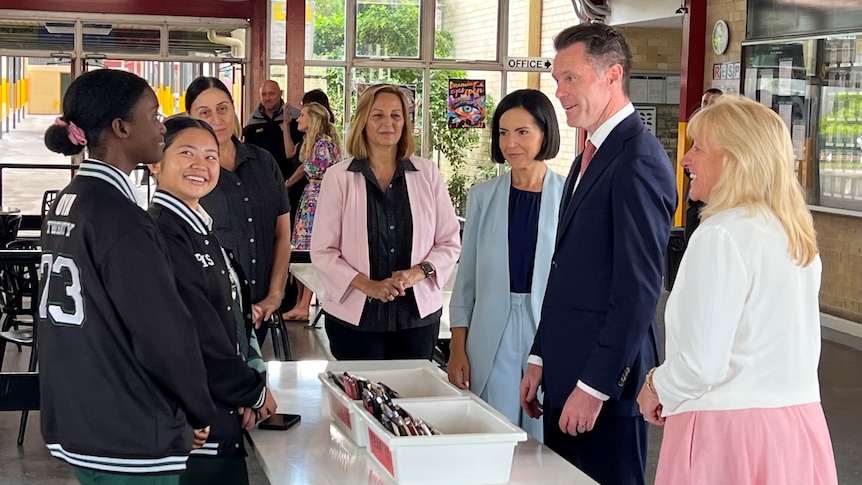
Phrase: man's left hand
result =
(580, 412)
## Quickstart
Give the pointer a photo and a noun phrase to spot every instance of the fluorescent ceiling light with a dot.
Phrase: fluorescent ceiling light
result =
(69, 28)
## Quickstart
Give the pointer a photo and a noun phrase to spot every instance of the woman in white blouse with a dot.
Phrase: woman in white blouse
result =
(738, 392)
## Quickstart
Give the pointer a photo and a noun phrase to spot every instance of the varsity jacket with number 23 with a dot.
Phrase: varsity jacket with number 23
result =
(121, 373)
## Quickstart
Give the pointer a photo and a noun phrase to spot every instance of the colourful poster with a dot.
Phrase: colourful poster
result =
(466, 103)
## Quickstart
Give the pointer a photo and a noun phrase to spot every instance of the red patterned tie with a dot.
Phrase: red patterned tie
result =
(589, 151)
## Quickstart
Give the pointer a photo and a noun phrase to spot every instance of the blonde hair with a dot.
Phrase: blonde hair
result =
(757, 167)
(357, 142)
(318, 127)
(237, 126)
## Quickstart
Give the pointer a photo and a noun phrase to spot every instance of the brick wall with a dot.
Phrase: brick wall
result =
(654, 49)
(667, 128)
(840, 242)
(732, 12)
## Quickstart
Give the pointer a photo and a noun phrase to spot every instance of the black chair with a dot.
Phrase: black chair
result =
(279, 334)
(18, 287)
(9, 225)
(19, 391)
(48, 201)
(19, 283)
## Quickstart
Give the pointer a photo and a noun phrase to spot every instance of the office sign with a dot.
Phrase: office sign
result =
(529, 64)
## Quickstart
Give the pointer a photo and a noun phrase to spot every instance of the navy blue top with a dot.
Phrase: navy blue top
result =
(523, 237)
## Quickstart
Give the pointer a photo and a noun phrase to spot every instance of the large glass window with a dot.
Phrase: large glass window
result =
(466, 32)
(387, 29)
(223, 43)
(325, 29)
(121, 39)
(37, 36)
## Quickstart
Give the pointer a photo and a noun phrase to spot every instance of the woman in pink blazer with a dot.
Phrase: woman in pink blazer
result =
(385, 238)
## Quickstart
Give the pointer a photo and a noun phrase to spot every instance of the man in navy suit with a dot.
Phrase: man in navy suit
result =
(597, 337)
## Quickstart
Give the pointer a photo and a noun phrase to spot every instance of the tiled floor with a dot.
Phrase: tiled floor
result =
(840, 367)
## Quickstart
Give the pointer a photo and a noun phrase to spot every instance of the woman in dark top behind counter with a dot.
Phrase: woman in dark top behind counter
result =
(249, 206)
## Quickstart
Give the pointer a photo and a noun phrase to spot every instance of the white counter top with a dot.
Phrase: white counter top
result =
(315, 452)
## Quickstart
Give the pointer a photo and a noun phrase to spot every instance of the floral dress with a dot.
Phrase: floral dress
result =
(325, 154)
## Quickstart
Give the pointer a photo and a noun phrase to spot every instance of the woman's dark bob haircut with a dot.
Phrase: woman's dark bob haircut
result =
(538, 105)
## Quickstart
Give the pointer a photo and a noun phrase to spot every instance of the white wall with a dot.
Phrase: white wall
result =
(657, 12)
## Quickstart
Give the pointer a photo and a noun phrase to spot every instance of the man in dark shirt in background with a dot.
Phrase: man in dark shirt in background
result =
(265, 128)
(266, 124)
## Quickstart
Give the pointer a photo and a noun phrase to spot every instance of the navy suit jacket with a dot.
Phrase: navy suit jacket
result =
(598, 316)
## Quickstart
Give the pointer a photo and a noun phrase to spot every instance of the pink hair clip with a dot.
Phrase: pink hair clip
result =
(76, 134)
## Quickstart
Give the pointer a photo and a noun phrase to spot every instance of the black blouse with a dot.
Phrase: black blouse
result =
(390, 247)
(244, 206)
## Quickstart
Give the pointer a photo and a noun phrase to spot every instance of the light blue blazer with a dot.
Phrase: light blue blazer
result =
(480, 297)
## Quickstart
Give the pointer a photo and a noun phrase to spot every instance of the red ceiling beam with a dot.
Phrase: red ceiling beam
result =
(185, 8)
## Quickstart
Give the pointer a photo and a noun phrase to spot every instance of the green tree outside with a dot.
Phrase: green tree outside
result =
(392, 30)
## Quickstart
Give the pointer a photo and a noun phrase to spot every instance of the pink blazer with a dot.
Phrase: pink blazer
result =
(339, 237)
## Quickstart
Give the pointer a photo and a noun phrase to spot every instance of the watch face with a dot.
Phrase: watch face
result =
(720, 37)
(427, 269)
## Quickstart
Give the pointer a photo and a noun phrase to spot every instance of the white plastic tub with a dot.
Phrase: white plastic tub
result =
(476, 446)
(418, 383)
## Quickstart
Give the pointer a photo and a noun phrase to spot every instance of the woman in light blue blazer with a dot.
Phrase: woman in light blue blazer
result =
(506, 255)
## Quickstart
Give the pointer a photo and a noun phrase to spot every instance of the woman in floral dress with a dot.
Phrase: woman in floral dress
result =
(319, 151)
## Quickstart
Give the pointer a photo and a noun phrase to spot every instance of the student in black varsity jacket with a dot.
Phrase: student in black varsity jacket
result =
(121, 370)
(213, 289)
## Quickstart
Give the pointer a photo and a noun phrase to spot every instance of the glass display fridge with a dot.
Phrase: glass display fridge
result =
(815, 85)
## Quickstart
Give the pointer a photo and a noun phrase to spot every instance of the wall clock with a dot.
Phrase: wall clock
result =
(720, 37)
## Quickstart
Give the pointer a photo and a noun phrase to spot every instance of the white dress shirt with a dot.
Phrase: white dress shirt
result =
(742, 323)
(597, 138)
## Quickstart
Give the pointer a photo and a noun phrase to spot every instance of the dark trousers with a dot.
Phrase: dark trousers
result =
(206, 470)
(613, 453)
(350, 343)
(87, 476)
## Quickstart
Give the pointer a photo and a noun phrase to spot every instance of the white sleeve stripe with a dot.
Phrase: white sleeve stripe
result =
(123, 465)
(260, 400)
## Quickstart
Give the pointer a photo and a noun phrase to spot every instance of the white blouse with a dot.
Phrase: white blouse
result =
(742, 321)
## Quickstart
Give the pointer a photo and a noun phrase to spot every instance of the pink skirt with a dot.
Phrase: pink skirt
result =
(777, 446)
